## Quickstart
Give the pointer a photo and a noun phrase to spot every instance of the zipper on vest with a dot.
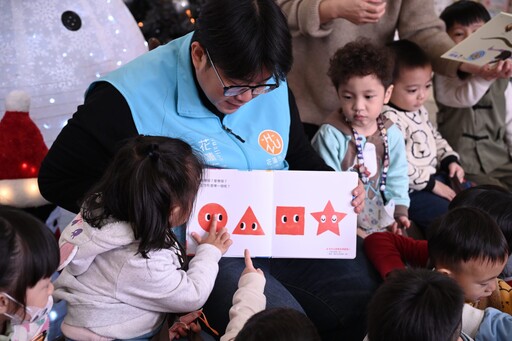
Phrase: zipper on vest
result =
(238, 137)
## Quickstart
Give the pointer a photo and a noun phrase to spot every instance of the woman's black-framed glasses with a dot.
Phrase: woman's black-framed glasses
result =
(235, 90)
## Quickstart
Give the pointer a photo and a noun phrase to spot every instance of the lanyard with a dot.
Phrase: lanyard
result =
(363, 172)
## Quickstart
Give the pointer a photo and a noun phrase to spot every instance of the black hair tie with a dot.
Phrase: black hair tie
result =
(152, 152)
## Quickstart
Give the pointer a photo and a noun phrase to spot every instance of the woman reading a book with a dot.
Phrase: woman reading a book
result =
(222, 89)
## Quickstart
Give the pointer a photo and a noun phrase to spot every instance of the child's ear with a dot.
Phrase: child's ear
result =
(388, 93)
(444, 271)
(176, 216)
(4, 304)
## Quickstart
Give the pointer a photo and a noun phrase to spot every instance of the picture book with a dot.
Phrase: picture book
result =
(281, 214)
(489, 44)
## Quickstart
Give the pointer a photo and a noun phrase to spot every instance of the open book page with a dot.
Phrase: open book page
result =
(489, 44)
(326, 226)
(243, 200)
(296, 214)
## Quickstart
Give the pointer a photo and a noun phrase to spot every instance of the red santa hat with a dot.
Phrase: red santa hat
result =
(22, 150)
(22, 147)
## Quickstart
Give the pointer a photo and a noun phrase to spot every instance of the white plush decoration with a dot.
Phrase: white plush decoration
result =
(17, 100)
(21, 193)
(55, 49)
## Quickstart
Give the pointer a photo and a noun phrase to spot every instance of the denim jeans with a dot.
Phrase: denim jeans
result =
(333, 293)
(426, 207)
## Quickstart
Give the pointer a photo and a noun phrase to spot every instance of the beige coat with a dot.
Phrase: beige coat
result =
(314, 44)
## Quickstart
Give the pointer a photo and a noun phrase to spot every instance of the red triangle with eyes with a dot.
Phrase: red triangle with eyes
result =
(249, 224)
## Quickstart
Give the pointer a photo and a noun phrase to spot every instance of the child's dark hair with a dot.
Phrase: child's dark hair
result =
(28, 252)
(360, 58)
(464, 234)
(407, 55)
(278, 324)
(465, 13)
(494, 200)
(416, 304)
(149, 177)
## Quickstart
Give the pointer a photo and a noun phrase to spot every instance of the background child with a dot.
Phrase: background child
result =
(431, 159)
(416, 304)
(248, 300)
(497, 202)
(466, 244)
(29, 255)
(475, 114)
(250, 321)
(126, 268)
(278, 324)
(358, 138)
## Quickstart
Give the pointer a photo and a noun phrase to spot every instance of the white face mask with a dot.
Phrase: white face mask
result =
(35, 313)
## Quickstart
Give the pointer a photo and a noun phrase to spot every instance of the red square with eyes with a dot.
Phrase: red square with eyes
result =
(290, 220)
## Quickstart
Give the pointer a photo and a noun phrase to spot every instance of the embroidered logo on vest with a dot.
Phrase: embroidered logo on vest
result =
(271, 142)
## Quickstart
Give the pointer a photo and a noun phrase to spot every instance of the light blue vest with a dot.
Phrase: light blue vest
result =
(160, 90)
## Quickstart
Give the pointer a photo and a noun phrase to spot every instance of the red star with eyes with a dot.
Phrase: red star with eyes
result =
(328, 219)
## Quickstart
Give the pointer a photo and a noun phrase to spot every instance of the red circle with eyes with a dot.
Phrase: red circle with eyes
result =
(206, 214)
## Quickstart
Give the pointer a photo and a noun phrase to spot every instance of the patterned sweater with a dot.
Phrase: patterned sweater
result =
(426, 149)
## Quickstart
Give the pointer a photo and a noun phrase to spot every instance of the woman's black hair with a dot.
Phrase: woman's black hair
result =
(245, 38)
(465, 13)
(28, 252)
(151, 181)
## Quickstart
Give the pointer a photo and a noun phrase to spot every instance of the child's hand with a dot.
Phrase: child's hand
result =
(361, 233)
(501, 69)
(220, 239)
(454, 169)
(358, 195)
(248, 264)
(443, 191)
(399, 225)
(191, 331)
(403, 222)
